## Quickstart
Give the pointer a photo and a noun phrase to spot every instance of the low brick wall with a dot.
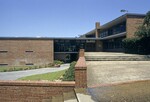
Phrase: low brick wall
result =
(28, 91)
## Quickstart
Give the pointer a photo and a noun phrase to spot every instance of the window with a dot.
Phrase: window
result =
(3, 64)
(28, 51)
(116, 29)
(29, 64)
(3, 51)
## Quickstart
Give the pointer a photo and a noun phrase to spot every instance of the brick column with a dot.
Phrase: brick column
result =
(97, 26)
(81, 72)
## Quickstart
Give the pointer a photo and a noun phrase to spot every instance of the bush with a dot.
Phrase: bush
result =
(69, 74)
(56, 62)
(50, 65)
(140, 44)
(137, 45)
(131, 45)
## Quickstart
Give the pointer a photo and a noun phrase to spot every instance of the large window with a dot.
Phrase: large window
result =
(113, 43)
(68, 45)
(119, 28)
(90, 36)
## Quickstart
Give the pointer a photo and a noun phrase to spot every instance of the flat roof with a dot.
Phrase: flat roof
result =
(116, 21)
(46, 38)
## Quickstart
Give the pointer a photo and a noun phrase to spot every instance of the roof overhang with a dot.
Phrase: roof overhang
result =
(117, 21)
(114, 36)
(46, 38)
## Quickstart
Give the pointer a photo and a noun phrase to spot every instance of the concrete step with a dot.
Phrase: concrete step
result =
(70, 97)
(58, 98)
(83, 95)
(110, 56)
(118, 58)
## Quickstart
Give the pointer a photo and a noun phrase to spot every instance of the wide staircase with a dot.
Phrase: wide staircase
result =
(118, 77)
(106, 56)
(77, 95)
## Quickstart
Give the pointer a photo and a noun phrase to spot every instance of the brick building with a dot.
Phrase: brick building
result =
(17, 51)
(112, 33)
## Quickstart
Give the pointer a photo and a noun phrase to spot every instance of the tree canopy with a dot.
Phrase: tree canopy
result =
(144, 30)
(141, 43)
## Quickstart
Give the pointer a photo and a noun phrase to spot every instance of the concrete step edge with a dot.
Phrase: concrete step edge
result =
(83, 95)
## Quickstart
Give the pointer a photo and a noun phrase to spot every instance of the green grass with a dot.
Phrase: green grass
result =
(18, 68)
(47, 76)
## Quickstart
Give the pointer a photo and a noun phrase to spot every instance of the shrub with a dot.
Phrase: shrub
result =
(56, 62)
(137, 45)
(69, 74)
(131, 45)
(5, 70)
(50, 65)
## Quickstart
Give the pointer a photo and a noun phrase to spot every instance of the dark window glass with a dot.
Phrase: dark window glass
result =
(113, 43)
(119, 28)
(69, 45)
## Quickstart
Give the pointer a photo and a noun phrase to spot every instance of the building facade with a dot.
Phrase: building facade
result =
(20, 51)
(16, 51)
(112, 33)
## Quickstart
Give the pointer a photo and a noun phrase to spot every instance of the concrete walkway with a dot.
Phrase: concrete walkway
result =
(18, 74)
(138, 91)
(106, 78)
(118, 77)
(110, 54)
(107, 72)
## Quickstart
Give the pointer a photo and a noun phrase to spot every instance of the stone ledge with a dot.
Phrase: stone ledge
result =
(81, 63)
(38, 83)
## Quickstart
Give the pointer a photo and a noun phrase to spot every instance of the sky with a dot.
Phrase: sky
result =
(61, 18)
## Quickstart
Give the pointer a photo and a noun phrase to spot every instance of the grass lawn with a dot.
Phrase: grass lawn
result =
(18, 68)
(47, 76)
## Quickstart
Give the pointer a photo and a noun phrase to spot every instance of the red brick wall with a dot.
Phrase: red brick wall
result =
(132, 24)
(17, 55)
(21, 91)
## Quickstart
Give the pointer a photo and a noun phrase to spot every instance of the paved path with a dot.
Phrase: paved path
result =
(106, 78)
(108, 54)
(138, 91)
(107, 72)
(18, 74)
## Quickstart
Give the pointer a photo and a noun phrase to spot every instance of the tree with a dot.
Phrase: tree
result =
(144, 30)
(141, 43)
